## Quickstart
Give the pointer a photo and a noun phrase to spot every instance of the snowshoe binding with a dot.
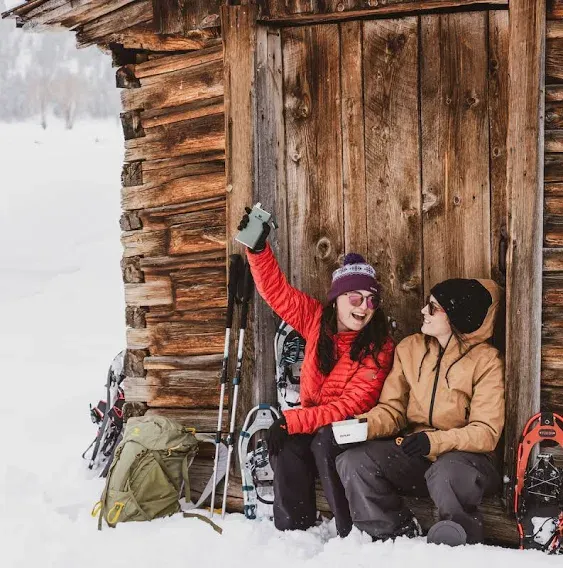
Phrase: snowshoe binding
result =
(256, 472)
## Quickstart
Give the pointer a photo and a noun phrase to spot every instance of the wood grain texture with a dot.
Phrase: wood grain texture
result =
(353, 147)
(498, 125)
(314, 155)
(525, 187)
(181, 16)
(455, 129)
(156, 293)
(269, 189)
(393, 165)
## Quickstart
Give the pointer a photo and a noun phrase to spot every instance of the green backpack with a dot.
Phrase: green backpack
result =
(146, 475)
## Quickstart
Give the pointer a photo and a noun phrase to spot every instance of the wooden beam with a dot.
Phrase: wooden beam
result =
(525, 149)
(325, 12)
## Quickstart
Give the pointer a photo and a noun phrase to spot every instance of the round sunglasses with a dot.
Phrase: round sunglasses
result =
(356, 299)
(433, 308)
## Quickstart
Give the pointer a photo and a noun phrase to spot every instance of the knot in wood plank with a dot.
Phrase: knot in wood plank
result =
(324, 248)
(429, 200)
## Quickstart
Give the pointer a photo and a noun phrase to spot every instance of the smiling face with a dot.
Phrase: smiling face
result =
(350, 317)
(436, 322)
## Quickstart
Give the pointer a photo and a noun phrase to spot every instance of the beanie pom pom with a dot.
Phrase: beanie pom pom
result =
(354, 258)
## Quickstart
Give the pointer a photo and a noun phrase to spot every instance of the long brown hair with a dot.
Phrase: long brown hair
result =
(368, 342)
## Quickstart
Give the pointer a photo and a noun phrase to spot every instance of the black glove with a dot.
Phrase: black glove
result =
(416, 445)
(261, 243)
(277, 435)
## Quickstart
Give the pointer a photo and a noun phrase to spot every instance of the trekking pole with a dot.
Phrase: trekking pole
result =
(247, 290)
(235, 266)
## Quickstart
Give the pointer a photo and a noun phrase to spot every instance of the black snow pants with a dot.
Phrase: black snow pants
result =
(303, 458)
(375, 473)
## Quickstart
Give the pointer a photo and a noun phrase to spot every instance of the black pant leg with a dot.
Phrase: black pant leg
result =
(326, 450)
(457, 482)
(374, 474)
(294, 484)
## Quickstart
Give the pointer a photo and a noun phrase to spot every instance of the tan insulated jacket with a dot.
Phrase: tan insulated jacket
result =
(458, 398)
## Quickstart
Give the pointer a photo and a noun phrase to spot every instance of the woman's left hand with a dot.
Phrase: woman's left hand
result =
(277, 435)
(416, 445)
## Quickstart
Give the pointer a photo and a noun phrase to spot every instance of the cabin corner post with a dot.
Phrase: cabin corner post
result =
(525, 160)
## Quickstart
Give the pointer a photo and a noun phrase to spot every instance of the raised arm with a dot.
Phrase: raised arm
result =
(295, 307)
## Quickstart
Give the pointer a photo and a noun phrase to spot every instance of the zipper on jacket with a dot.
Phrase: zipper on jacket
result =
(435, 387)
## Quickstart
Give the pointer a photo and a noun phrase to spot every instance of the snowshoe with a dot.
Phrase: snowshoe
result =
(256, 472)
(289, 348)
(108, 416)
(538, 498)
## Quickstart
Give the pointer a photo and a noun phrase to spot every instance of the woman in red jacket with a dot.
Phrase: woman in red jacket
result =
(348, 355)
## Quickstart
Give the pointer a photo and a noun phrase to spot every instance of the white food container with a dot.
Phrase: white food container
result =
(350, 431)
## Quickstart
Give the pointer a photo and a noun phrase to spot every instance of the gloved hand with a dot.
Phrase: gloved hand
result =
(277, 435)
(261, 243)
(416, 445)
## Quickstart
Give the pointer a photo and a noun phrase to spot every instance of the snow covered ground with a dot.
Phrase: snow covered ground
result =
(61, 323)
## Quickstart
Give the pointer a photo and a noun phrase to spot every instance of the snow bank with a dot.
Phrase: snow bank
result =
(62, 316)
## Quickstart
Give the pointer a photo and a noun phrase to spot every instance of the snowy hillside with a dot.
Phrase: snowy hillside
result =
(61, 306)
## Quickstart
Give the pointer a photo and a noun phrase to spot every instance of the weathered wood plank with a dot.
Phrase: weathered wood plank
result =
(206, 319)
(525, 186)
(455, 130)
(135, 317)
(169, 164)
(553, 117)
(315, 12)
(115, 21)
(178, 62)
(141, 243)
(311, 67)
(137, 338)
(498, 125)
(201, 214)
(181, 190)
(156, 293)
(553, 167)
(205, 134)
(131, 124)
(181, 16)
(554, 60)
(270, 190)
(159, 176)
(238, 26)
(185, 240)
(200, 419)
(353, 150)
(133, 362)
(164, 264)
(393, 165)
(177, 337)
(132, 174)
(553, 260)
(142, 36)
(196, 109)
(554, 9)
(183, 363)
(176, 87)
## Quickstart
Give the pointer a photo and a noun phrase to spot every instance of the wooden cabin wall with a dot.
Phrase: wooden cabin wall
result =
(173, 198)
(552, 324)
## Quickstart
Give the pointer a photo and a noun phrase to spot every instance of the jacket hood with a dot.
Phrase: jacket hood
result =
(487, 327)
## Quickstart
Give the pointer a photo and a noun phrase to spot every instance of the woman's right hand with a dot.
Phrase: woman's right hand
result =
(261, 242)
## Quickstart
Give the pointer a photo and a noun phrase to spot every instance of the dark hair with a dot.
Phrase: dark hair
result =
(368, 342)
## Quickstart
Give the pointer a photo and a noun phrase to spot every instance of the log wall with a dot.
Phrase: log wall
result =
(552, 315)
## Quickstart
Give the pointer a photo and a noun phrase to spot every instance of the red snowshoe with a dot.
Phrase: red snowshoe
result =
(538, 499)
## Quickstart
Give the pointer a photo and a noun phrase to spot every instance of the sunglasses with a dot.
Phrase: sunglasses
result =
(356, 299)
(433, 307)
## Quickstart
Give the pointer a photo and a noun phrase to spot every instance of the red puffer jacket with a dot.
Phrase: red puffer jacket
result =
(351, 388)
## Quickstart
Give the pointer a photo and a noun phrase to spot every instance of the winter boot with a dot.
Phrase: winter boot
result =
(447, 532)
(410, 529)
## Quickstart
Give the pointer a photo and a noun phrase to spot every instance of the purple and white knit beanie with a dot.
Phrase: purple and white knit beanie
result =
(355, 274)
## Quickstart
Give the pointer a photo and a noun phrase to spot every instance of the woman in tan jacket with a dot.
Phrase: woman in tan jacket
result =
(439, 418)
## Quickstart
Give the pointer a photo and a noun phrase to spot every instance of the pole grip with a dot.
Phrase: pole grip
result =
(247, 291)
(235, 273)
